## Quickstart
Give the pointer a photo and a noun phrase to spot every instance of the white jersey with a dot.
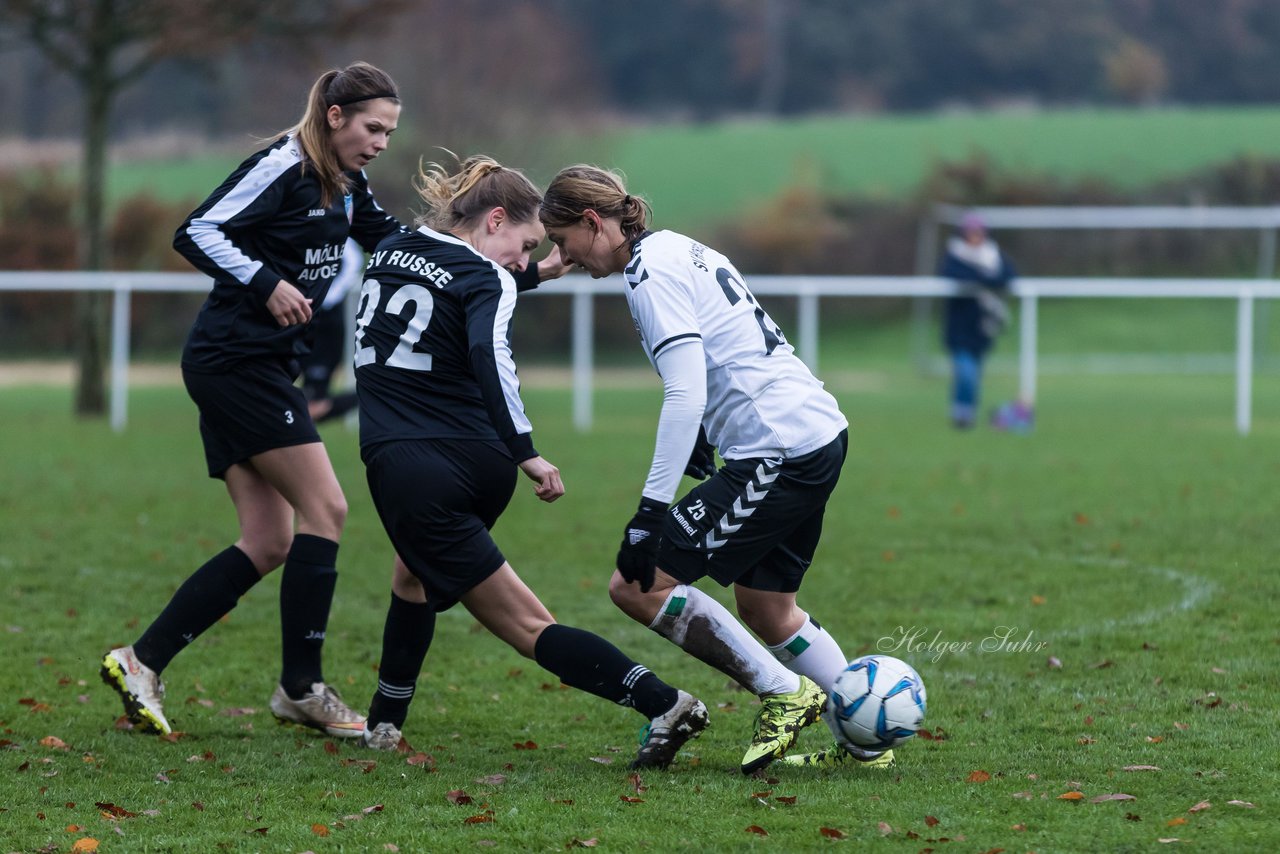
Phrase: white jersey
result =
(762, 401)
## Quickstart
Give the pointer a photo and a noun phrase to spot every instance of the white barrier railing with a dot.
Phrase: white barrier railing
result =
(805, 289)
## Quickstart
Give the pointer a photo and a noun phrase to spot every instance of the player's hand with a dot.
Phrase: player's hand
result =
(552, 267)
(702, 462)
(547, 477)
(287, 305)
(638, 554)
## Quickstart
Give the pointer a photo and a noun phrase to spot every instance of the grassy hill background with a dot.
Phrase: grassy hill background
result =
(699, 174)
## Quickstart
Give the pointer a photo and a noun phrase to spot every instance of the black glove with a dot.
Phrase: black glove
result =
(702, 462)
(638, 554)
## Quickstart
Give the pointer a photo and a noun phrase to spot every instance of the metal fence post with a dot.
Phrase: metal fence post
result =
(120, 357)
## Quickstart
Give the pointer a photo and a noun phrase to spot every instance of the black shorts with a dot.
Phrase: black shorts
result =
(251, 408)
(756, 522)
(437, 499)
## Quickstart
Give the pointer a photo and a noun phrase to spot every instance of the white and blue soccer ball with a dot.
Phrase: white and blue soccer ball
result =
(877, 702)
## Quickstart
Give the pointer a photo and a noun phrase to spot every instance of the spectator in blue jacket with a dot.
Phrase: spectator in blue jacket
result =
(972, 321)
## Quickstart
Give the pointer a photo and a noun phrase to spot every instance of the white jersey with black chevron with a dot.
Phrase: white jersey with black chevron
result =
(762, 401)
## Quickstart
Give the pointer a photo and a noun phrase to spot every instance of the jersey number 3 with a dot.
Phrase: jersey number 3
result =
(403, 356)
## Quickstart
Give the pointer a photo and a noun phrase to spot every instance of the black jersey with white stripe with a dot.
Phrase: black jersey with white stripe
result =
(263, 224)
(433, 353)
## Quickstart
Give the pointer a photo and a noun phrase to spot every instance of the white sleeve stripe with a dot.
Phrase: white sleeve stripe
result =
(502, 353)
(205, 230)
(673, 339)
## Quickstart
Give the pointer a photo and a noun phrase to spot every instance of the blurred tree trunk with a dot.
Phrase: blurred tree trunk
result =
(91, 306)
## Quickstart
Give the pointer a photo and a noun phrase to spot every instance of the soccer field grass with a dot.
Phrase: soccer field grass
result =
(1089, 599)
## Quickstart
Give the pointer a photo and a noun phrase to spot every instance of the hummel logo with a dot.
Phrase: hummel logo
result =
(317, 212)
(636, 535)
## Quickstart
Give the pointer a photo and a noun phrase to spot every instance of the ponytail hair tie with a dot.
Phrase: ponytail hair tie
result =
(626, 200)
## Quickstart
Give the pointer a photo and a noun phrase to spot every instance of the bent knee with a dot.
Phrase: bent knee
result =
(267, 552)
(622, 592)
(324, 516)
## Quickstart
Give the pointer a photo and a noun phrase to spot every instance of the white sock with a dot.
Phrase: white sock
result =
(705, 629)
(812, 652)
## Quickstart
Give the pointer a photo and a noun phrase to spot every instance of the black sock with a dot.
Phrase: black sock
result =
(406, 637)
(306, 592)
(592, 664)
(203, 599)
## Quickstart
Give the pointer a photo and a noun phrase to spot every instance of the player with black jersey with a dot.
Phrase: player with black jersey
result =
(271, 237)
(443, 432)
(730, 382)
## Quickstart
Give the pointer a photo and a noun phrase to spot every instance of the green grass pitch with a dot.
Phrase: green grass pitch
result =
(1125, 549)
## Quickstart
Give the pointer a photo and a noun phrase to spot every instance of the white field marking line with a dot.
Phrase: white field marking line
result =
(1196, 590)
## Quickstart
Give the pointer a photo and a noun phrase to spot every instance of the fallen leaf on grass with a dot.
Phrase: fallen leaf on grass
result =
(1054, 663)
(525, 745)
(1142, 768)
(978, 776)
(1071, 796)
(831, 833)
(331, 748)
(630, 800)
(1132, 817)
(1200, 807)
(320, 829)
(757, 829)
(418, 759)
(1115, 796)
(110, 810)
(789, 800)
(1155, 739)
(492, 780)
(1181, 726)
(603, 760)
(1167, 839)
(1018, 827)
(365, 765)
(884, 827)
(478, 819)
(1244, 804)
(637, 785)
(457, 796)
(930, 821)
(1174, 822)
(1026, 796)
(361, 815)
(54, 742)
(583, 843)
(84, 845)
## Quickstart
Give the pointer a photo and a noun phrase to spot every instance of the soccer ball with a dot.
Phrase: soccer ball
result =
(876, 702)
